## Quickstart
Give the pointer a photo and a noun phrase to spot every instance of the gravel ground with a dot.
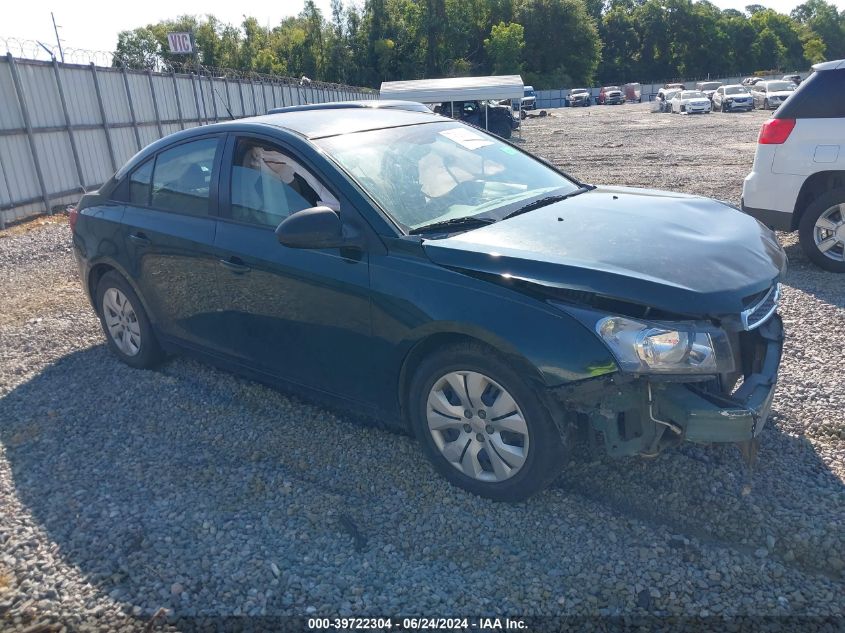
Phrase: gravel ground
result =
(125, 491)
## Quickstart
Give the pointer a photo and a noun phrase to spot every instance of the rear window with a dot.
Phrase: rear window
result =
(820, 96)
(182, 177)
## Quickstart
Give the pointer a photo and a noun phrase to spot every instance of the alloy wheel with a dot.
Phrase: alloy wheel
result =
(829, 233)
(122, 322)
(477, 426)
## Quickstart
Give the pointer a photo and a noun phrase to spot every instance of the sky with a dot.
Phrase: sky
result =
(94, 24)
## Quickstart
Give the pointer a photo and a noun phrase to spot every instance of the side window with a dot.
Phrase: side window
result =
(268, 185)
(182, 177)
(139, 184)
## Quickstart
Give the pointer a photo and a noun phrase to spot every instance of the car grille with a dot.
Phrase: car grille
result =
(761, 311)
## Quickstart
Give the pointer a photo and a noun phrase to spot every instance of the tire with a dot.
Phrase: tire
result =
(494, 478)
(125, 324)
(501, 129)
(829, 207)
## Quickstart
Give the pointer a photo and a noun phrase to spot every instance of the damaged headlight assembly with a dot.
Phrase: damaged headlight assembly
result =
(645, 347)
(666, 348)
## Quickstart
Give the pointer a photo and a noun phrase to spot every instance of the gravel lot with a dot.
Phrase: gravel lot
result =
(124, 491)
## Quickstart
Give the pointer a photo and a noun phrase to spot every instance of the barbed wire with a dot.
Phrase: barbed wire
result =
(43, 51)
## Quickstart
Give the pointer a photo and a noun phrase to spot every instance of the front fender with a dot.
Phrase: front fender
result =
(414, 299)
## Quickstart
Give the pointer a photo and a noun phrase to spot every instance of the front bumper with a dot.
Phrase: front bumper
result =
(633, 415)
(740, 417)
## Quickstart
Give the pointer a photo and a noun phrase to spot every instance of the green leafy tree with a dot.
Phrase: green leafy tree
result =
(504, 48)
(548, 25)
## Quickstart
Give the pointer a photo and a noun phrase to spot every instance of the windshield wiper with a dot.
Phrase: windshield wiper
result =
(546, 201)
(467, 222)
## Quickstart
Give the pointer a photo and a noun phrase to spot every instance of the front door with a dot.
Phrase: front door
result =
(303, 315)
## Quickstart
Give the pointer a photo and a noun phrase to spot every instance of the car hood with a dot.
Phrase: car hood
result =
(782, 94)
(678, 253)
(696, 101)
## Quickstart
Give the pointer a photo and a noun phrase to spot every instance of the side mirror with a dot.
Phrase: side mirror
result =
(317, 227)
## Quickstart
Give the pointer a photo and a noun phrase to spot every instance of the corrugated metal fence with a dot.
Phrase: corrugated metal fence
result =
(65, 128)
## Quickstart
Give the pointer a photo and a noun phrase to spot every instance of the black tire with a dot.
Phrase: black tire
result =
(547, 449)
(501, 129)
(806, 230)
(149, 352)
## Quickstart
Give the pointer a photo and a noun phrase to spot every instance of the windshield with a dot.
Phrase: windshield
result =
(736, 90)
(711, 86)
(692, 94)
(776, 86)
(421, 174)
(529, 92)
(578, 91)
(609, 88)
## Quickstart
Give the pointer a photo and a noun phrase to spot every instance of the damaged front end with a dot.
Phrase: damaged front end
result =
(640, 413)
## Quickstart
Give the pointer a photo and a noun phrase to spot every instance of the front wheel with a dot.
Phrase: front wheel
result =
(482, 426)
(822, 231)
(125, 324)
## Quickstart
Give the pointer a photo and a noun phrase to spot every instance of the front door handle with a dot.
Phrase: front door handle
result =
(236, 265)
(140, 239)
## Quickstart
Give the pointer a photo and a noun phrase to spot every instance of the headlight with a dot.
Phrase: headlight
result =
(665, 348)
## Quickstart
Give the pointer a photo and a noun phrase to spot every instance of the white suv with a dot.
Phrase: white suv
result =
(798, 178)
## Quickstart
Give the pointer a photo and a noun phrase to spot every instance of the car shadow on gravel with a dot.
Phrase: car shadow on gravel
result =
(192, 489)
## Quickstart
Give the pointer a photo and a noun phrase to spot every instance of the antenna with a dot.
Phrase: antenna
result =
(58, 40)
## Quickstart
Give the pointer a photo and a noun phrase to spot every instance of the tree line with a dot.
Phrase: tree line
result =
(551, 43)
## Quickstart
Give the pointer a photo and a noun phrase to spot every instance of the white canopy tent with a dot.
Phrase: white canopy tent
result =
(454, 89)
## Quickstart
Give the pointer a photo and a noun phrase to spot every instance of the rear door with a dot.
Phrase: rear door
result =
(300, 314)
(169, 235)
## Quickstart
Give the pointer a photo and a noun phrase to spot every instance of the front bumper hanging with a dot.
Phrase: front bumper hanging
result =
(706, 417)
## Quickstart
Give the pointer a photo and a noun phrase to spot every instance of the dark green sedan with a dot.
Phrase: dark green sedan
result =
(420, 271)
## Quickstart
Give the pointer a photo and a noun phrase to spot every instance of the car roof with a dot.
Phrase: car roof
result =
(832, 65)
(323, 122)
(342, 105)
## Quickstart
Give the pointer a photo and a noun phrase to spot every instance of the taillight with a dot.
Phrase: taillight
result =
(775, 131)
(72, 217)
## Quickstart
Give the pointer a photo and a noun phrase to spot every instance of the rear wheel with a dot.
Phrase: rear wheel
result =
(125, 324)
(822, 231)
(482, 426)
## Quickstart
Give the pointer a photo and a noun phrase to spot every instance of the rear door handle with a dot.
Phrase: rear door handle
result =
(236, 265)
(140, 239)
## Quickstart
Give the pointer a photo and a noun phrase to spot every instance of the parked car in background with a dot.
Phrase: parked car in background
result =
(664, 98)
(732, 98)
(498, 119)
(797, 182)
(610, 95)
(579, 97)
(418, 271)
(529, 99)
(674, 86)
(794, 78)
(690, 102)
(750, 81)
(633, 92)
(708, 87)
(770, 94)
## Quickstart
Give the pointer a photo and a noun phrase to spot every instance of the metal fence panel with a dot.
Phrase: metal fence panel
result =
(39, 85)
(65, 128)
(57, 160)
